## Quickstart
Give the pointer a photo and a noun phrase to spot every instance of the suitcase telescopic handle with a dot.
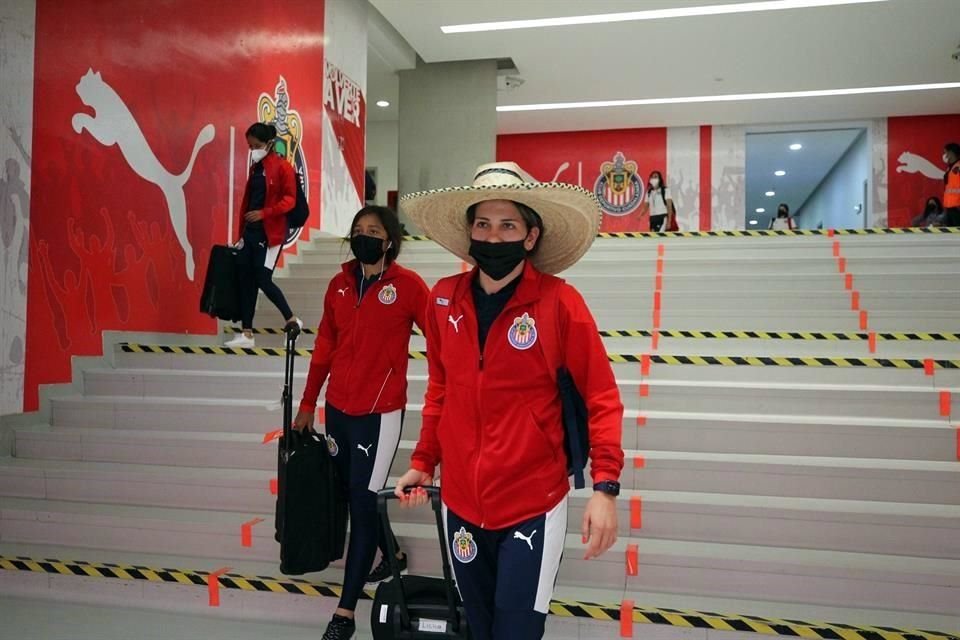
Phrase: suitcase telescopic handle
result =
(383, 497)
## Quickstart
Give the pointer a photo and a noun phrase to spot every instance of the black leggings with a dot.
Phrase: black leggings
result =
(363, 449)
(656, 222)
(256, 274)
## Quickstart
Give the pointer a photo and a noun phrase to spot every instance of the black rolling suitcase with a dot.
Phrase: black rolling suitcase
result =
(221, 293)
(417, 607)
(311, 516)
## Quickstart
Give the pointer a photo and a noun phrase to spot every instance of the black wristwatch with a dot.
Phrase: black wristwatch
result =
(608, 487)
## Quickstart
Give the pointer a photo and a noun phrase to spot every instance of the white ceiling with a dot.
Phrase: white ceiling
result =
(806, 168)
(889, 43)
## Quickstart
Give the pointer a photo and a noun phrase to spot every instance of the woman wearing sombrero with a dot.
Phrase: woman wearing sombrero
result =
(492, 413)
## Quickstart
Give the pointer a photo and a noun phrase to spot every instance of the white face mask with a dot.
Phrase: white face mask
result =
(258, 155)
(946, 159)
(654, 182)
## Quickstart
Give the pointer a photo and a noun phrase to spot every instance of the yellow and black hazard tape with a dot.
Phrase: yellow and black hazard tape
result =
(792, 361)
(207, 350)
(618, 358)
(561, 608)
(177, 576)
(746, 233)
(718, 335)
(759, 233)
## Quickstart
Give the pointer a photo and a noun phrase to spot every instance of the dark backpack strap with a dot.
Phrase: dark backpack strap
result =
(552, 341)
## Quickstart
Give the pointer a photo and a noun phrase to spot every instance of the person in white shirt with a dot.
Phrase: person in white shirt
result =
(659, 203)
(783, 221)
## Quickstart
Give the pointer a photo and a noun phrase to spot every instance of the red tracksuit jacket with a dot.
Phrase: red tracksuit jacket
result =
(495, 424)
(281, 196)
(363, 347)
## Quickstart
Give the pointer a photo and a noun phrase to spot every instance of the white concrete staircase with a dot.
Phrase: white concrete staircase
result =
(802, 492)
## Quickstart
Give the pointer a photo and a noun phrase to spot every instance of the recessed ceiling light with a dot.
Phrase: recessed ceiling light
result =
(383, 103)
(779, 173)
(652, 14)
(753, 222)
(761, 210)
(733, 97)
(796, 146)
(770, 194)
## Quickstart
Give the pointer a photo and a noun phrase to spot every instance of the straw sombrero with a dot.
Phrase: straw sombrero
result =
(571, 215)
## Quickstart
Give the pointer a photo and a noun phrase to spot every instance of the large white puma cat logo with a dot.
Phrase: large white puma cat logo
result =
(913, 163)
(113, 124)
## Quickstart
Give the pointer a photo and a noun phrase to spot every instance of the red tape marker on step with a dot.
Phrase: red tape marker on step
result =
(641, 421)
(872, 341)
(213, 586)
(842, 265)
(836, 248)
(945, 404)
(928, 366)
(654, 340)
(855, 301)
(639, 462)
(658, 282)
(830, 233)
(271, 436)
(848, 281)
(636, 513)
(274, 489)
(660, 249)
(863, 321)
(626, 619)
(644, 390)
(645, 364)
(246, 532)
(632, 559)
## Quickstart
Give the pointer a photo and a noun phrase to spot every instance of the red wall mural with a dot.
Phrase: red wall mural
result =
(915, 167)
(613, 164)
(132, 157)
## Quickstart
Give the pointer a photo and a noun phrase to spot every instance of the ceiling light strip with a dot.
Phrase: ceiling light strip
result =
(652, 14)
(737, 97)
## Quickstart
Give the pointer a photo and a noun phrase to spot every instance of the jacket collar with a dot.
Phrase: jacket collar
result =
(527, 291)
(350, 268)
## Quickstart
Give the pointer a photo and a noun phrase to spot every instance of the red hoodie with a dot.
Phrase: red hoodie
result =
(364, 347)
(280, 199)
(496, 426)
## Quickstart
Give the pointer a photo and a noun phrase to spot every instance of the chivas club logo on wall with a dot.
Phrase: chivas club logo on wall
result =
(618, 188)
(276, 110)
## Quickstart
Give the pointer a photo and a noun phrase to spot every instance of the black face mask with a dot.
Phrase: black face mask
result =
(497, 259)
(367, 249)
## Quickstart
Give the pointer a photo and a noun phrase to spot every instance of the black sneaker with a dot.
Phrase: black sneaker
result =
(340, 628)
(382, 571)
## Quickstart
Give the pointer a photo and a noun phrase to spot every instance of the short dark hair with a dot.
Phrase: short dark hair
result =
(953, 148)
(262, 131)
(530, 217)
(391, 224)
